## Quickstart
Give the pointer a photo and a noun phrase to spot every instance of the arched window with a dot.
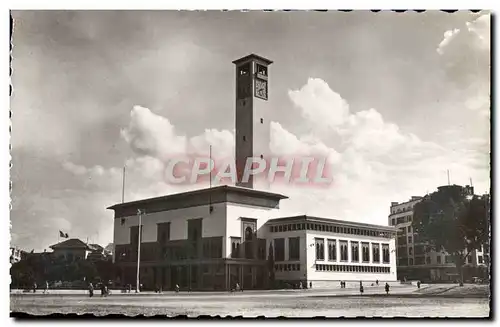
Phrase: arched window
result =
(248, 233)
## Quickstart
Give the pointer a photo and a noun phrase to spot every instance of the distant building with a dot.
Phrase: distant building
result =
(98, 253)
(72, 250)
(413, 260)
(16, 255)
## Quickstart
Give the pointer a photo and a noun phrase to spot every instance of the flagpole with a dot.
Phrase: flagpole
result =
(210, 208)
(123, 185)
(139, 213)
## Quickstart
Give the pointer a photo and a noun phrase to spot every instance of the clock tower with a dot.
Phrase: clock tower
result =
(253, 128)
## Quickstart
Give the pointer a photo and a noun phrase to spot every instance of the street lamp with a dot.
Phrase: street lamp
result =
(139, 213)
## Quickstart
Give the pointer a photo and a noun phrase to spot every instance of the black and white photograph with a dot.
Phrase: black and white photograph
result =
(260, 163)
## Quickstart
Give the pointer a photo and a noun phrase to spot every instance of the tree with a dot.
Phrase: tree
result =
(453, 220)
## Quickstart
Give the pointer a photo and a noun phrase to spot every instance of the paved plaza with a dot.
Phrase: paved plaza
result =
(430, 301)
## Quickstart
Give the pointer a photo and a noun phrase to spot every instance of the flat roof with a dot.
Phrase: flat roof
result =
(213, 195)
(252, 56)
(332, 221)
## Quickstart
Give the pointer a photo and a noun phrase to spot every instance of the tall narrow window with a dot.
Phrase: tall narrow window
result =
(332, 250)
(279, 249)
(376, 252)
(385, 252)
(320, 249)
(235, 247)
(355, 251)
(343, 251)
(294, 248)
(366, 252)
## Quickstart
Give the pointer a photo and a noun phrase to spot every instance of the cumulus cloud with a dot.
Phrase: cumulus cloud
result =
(465, 53)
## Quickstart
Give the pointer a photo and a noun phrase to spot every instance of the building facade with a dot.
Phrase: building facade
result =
(71, 250)
(239, 240)
(205, 239)
(325, 251)
(415, 262)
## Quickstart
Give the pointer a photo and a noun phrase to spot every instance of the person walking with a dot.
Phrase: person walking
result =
(418, 284)
(376, 282)
(91, 290)
(361, 288)
(387, 288)
(46, 289)
(311, 285)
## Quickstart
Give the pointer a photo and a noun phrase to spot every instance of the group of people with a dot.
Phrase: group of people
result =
(34, 287)
(362, 289)
(103, 287)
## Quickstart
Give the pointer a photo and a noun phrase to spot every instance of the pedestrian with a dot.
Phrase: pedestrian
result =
(418, 284)
(102, 287)
(34, 287)
(361, 288)
(129, 288)
(387, 288)
(91, 290)
(46, 289)
(376, 282)
(310, 284)
(176, 288)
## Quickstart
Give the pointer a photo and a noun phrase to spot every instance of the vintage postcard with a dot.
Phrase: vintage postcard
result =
(250, 163)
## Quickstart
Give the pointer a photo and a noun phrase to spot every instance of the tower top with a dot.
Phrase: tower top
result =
(250, 57)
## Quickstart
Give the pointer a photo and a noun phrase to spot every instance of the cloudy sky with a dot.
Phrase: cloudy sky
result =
(393, 100)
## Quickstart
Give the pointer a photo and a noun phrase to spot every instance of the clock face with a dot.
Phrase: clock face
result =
(261, 89)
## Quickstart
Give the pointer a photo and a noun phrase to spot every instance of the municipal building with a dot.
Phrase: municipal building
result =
(211, 239)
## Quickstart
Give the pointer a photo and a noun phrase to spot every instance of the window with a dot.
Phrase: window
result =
(366, 252)
(320, 249)
(438, 258)
(163, 232)
(376, 252)
(410, 239)
(410, 251)
(385, 253)
(279, 249)
(410, 262)
(332, 250)
(355, 251)
(480, 259)
(235, 247)
(244, 138)
(343, 251)
(393, 221)
(294, 248)
(122, 221)
(216, 247)
(428, 260)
